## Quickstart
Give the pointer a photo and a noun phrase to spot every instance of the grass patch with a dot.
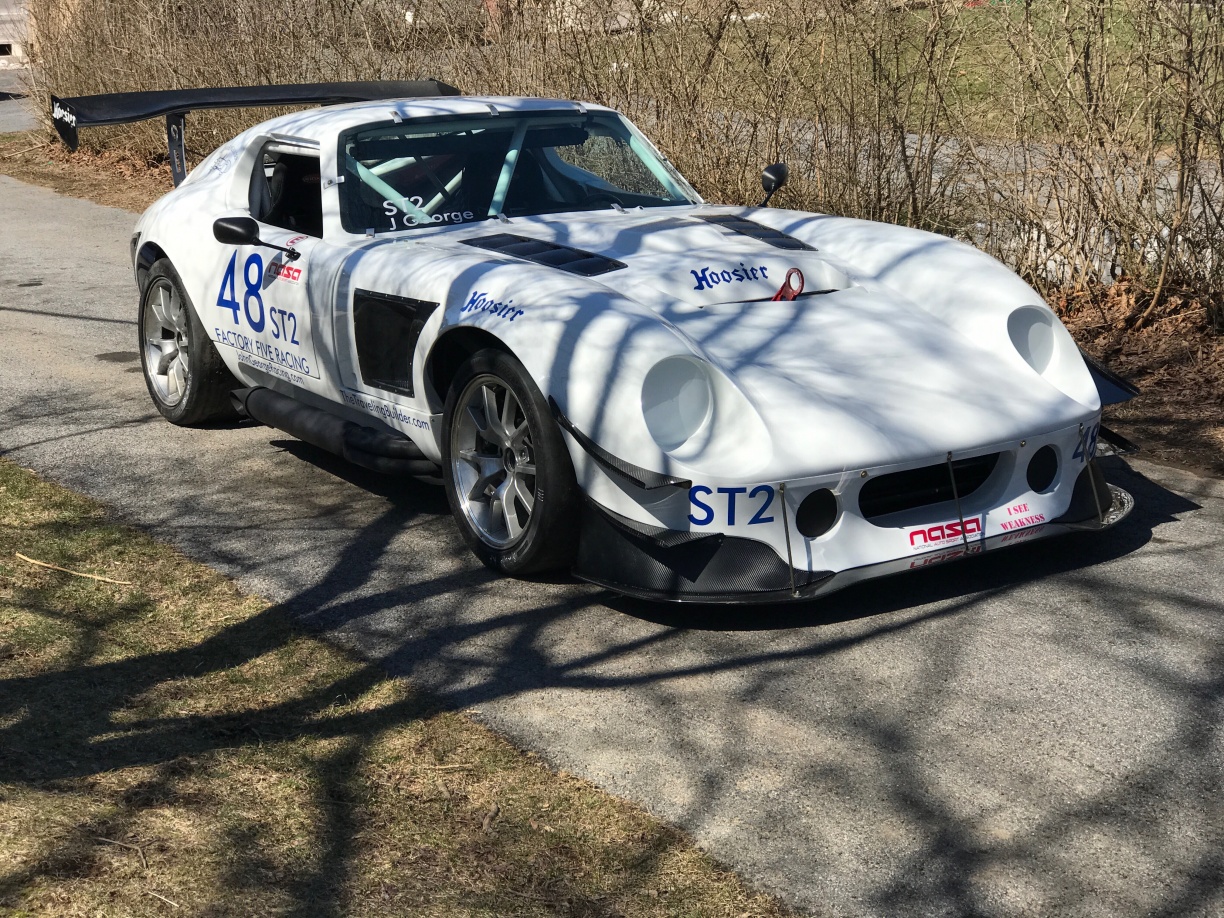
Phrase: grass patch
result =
(176, 747)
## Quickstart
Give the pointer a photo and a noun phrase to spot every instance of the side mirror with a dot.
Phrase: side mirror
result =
(772, 178)
(236, 231)
(245, 231)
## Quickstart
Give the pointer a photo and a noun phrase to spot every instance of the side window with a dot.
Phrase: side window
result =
(286, 191)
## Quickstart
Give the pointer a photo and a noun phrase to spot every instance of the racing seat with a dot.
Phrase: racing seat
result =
(296, 194)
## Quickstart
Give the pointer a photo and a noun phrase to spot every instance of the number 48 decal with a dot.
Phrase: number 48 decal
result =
(1086, 448)
(227, 296)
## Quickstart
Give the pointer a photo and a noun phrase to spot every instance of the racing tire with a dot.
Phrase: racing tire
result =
(508, 475)
(185, 376)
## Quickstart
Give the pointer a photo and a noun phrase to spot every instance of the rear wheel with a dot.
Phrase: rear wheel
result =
(508, 474)
(182, 369)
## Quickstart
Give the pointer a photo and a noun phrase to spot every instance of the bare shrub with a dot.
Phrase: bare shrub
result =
(1079, 140)
(1114, 143)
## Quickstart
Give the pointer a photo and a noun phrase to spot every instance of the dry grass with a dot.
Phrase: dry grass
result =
(116, 178)
(175, 747)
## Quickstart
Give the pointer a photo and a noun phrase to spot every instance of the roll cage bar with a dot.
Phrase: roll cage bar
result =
(68, 115)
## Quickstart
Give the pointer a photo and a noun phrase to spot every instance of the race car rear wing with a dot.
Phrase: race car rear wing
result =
(68, 115)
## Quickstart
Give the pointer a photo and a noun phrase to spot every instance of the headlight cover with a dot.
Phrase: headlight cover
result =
(677, 400)
(1048, 348)
(1032, 334)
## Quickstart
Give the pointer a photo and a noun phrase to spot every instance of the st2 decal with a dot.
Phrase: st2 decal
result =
(731, 505)
(408, 221)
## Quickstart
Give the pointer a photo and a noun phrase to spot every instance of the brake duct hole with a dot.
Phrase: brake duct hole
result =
(1042, 468)
(817, 513)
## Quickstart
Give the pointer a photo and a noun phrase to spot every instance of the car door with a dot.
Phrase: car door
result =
(267, 292)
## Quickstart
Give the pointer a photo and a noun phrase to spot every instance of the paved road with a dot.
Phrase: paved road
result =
(15, 114)
(1036, 732)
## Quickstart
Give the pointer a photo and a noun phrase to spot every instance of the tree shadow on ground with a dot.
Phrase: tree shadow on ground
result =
(108, 746)
(707, 691)
(478, 641)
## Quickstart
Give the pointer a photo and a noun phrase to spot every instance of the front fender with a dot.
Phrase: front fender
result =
(586, 346)
(969, 291)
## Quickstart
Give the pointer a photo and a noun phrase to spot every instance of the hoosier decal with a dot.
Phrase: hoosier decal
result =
(61, 113)
(482, 302)
(712, 277)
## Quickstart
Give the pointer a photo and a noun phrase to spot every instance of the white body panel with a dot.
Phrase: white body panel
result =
(908, 359)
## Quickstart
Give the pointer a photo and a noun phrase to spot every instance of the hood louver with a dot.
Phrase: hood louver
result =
(760, 232)
(562, 257)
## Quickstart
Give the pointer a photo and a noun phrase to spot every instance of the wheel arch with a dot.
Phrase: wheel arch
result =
(204, 396)
(147, 255)
(448, 352)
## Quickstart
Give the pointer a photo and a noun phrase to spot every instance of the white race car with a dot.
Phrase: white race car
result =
(672, 399)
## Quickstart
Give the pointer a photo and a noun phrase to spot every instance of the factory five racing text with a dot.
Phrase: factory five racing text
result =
(264, 351)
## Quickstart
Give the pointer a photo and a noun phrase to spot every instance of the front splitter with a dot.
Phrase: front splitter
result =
(1121, 504)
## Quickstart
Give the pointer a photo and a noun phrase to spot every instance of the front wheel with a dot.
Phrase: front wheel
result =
(186, 378)
(508, 474)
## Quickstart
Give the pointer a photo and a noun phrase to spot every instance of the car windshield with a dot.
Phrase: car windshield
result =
(405, 176)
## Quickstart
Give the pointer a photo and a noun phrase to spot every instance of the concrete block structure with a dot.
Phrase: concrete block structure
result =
(14, 33)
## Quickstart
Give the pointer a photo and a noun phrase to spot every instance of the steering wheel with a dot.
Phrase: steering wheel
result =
(600, 196)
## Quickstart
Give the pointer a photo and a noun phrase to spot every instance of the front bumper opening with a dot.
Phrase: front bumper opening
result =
(650, 562)
(923, 487)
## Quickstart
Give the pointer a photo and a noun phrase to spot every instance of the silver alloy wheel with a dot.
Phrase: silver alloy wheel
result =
(167, 340)
(493, 462)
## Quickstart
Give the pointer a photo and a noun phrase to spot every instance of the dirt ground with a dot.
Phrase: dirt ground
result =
(115, 179)
(1174, 352)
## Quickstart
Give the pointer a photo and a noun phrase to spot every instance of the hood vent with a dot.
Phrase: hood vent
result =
(575, 261)
(760, 232)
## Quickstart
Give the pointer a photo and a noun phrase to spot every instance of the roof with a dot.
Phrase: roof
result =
(321, 123)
